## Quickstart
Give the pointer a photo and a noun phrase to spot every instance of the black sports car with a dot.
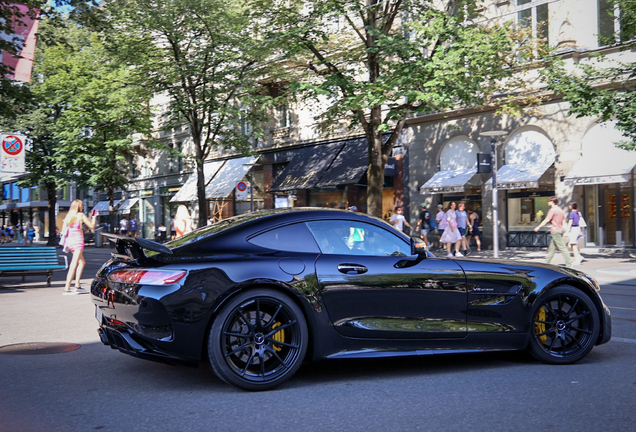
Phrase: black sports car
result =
(259, 293)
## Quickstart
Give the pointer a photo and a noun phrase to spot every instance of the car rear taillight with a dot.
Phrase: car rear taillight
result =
(146, 276)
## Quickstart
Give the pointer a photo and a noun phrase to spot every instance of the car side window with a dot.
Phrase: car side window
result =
(290, 238)
(344, 237)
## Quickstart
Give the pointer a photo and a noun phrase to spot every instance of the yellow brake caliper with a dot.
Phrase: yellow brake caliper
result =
(278, 336)
(539, 327)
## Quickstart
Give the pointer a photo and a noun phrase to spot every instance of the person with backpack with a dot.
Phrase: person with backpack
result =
(424, 224)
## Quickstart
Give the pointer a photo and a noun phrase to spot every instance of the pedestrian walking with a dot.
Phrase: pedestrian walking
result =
(123, 226)
(474, 232)
(182, 221)
(132, 226)
(161, 232)
(398, 220)
(555, 217)
(72, 230)
(30, 234)
(451, 233)
(462, 227)
(424, 224)
(574, 228)
(440, 220)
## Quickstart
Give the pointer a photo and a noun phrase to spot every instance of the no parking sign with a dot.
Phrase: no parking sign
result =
(241, 191)
(12, 154)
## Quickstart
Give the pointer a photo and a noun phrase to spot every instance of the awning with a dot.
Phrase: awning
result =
(448, 181)
(602, 162)
(306, 168)
(592, 170)
(102, 207)
(188, 191)
(349, 166)
(226, 179)
(520, 176)
(127, 205)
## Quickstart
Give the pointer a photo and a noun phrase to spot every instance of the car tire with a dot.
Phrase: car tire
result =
(565, 326)
(250, 353)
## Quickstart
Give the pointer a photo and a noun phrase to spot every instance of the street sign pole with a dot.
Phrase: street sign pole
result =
(495, 200)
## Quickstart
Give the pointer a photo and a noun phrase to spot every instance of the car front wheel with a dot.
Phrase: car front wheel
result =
(258, 340)
(565, 326)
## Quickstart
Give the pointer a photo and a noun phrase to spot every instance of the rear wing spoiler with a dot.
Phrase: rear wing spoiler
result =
(133, 247)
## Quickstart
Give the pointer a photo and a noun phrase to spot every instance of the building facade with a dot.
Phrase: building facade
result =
(547, 154)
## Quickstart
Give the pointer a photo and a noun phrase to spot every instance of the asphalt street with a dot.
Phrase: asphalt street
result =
(92, 387)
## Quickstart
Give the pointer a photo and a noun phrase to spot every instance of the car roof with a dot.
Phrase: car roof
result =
(264, 219)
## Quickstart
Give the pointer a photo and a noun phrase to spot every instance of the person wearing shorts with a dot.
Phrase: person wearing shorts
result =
(424, 224)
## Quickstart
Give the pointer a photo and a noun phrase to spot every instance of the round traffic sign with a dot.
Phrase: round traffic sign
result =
(241, 186)
(12, 145)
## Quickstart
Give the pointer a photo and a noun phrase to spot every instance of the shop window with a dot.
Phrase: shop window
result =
(525, 213)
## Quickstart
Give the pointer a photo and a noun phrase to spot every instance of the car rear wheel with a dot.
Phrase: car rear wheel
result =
(565, 326)
(258, 340)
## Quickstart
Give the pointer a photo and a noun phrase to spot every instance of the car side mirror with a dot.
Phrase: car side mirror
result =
(419, 248)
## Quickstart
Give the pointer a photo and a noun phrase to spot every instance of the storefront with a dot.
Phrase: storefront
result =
(604, 179)
(329, 174)
(527, 178)
(221, 178)
(457, 180)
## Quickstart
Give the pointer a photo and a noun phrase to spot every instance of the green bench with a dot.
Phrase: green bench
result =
(23, 261)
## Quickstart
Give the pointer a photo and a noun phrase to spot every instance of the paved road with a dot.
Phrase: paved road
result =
(96, 388)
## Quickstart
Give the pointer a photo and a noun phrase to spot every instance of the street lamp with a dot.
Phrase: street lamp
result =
(495, 218)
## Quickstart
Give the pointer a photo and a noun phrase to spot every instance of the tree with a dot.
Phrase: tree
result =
(202, 55)
(395, 58)
(81, 117)
(603, 88)
(12, 93)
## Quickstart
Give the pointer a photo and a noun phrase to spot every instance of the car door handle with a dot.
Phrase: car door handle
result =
(348, 268)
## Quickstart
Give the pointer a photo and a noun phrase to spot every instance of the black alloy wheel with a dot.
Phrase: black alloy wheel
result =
(565, 326)
(258, 340)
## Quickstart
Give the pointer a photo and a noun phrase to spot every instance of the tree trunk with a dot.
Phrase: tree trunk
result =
(203, 214)
(377, 162)
(51, 192)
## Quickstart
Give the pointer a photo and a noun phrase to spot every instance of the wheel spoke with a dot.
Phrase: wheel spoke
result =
(580, 330)
(273, 318)
(242, 347)
(262, 362)
(567, 333)
(247, 364)
(578, 317)
(259, 325)
(245, 320)
(275, 354)
(572, 309)
(285, 344)
(279, 328)
(237, 335)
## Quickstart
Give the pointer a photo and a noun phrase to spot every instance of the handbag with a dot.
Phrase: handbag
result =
(582, 222)
(64, 239)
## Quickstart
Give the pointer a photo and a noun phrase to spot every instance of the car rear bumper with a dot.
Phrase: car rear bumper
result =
(128, 343)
